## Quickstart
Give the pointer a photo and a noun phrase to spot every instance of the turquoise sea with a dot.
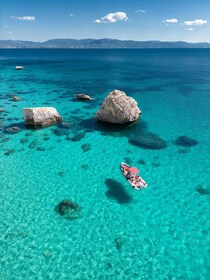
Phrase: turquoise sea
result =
(161, 232)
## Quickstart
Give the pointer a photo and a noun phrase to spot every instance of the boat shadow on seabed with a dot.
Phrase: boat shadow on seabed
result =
(117, 191)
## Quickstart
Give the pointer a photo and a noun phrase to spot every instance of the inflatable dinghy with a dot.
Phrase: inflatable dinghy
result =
(131, 175)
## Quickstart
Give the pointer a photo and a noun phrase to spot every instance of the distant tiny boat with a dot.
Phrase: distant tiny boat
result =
(19, 67)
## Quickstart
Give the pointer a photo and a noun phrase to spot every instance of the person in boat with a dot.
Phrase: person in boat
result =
(127, 174)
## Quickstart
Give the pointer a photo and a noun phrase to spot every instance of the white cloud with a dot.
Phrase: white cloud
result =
(30, 18)
(140, 11)
(112, 17)
(195, 22)
(189, 29)
(171, 20)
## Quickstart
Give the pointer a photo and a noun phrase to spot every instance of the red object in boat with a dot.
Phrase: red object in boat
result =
(133, 169)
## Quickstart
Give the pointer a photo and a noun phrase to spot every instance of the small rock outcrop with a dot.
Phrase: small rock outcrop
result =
(16, 98)
(83, 96)
(41, 116)
(118, 108)
(19, 67)
(68, 210)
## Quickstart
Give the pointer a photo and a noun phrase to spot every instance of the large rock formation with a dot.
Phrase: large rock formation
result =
(41, 116)
(118, 108)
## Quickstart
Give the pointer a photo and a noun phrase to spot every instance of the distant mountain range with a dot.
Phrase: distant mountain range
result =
(98, 44)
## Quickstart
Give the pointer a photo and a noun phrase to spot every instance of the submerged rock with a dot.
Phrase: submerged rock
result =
(149, 141)
(203, 190)
(68, 210)
(41, 116)
(61, 173)
(118, 108)
(65, 125)
(12, 129)
(119, 242)
(9, 152)
(47, 253)
(86, 147)
(186, 141)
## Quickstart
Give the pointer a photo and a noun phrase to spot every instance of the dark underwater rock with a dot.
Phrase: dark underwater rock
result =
(59, 132)
(9, 152)
(61, 173)
(65, 125)
(78, 137)
(86, 147)
(186, 141)
(40, 149)
(142, 161)
(68, 210)
(148, 141)
(4, 140)
(119, 242)
(12, 130)
(85, 166)
(47, 253)
(203, 190)
(128, 160)
(24, 140)
(32, 145)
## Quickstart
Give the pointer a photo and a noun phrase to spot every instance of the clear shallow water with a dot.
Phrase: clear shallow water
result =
(158, 233)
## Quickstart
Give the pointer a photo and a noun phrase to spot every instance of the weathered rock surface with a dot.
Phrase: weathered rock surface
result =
(83, 96)
(41, 116)
(118, 108)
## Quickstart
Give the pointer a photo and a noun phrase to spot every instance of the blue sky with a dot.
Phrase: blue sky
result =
(40, 20)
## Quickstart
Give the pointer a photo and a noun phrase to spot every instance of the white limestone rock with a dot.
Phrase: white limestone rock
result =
(118, 108)
(41, 116)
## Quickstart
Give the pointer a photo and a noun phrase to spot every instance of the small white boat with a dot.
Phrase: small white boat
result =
(131, 175)
(19, 67)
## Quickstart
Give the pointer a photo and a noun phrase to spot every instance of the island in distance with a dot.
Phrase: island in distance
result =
(99, 44)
